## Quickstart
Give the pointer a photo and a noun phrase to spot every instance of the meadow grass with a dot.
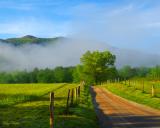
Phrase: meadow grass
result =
(131, 93)
(27, 106)
(144, 86)
(16, 93)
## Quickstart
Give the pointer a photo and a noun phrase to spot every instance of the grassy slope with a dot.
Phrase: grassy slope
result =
(135, 95)
(27, 106)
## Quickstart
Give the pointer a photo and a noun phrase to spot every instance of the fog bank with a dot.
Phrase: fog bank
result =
(65, 53)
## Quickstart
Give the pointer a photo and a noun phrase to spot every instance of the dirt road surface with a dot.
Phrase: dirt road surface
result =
(116, 112)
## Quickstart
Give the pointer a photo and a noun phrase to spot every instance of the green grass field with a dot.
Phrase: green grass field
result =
(144, 86)
(27, 106)
(134, 94)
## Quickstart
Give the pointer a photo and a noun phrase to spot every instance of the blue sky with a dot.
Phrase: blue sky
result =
(131, 24)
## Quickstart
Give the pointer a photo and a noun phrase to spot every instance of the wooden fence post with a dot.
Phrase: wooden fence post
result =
(67, 109)
(79, 91)
(143, 86)
(153, 91)
(72, 95)
(52, 110)
(76, 95)
(135, 85)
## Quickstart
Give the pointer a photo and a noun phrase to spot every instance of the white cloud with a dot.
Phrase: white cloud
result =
(126, 26)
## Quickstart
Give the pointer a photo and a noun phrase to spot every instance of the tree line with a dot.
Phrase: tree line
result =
(57, 75)
(95, 67)
(152, 73)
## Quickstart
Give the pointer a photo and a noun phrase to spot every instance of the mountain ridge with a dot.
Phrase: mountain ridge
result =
(29, 39)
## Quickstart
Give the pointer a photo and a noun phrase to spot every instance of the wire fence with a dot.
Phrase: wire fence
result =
(72, 99)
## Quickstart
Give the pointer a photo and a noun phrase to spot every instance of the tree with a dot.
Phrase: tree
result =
(6, 78)
(155, 72)
(129, 72)
(33, 75)
(21, 77)
(142, 71)
(126, 72)
(78, 74)
(45, 76)
(68, 71)
(97, 66)
(59, 74)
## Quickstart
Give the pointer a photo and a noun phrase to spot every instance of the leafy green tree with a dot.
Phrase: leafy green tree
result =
(155, 72)
(129, 72)
(142, 71)
(126, 72)
(68, 77)
(6, 78)
(20, 77)
(45, 76)
(59, 74)
(97, 65)
(33, 75)
(78, 74)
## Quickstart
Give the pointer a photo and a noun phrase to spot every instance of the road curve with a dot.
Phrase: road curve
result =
(116, 112)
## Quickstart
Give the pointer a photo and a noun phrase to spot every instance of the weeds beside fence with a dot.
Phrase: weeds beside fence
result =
(73, 99)
(148, 87)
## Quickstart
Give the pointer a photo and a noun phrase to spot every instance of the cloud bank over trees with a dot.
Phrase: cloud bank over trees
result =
(66, 53)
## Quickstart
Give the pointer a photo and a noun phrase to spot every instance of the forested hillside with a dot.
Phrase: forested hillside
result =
(29, 39)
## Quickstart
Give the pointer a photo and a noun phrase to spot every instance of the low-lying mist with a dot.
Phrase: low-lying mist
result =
(42, 56)
(65, 53)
